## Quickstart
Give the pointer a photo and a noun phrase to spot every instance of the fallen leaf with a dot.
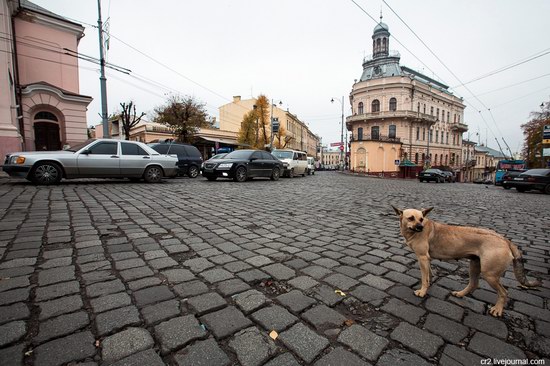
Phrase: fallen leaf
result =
(97, 343)
(28, 353)
(349, 322)
(339, 292)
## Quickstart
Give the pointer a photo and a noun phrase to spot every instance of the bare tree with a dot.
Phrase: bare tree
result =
(184, 116)
(129, 118)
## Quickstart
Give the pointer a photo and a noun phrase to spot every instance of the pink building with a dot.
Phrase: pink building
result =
(40, 104)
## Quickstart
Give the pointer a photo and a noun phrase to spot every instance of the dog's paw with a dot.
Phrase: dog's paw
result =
(457, 293)
(496, 311)
(420, 293)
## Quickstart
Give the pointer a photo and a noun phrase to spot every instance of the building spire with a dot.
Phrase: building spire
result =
(381, 14)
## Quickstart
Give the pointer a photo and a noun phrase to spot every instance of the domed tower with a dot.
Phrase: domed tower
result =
(381, 40)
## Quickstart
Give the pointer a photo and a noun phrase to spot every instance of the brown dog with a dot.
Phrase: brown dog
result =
(489, 253)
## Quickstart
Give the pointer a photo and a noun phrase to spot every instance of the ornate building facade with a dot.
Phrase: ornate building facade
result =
(402, 120)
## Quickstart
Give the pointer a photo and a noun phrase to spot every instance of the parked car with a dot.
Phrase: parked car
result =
(241, 165)
(189, 157)
(449, 176)
(310, 165)
(429, 175)
(100, 158)
(296, 162)
(509, 176)
(533, 179)
(214, 157)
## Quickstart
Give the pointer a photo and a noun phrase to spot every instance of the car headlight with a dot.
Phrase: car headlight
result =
(225, 165)
(285, 165)
(17, 159)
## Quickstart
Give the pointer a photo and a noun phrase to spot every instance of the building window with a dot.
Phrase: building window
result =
(437, 115)
(375, 132)
(418, 133)
(447, 139)
(360, 108)
(448, 116)
(423, 135)
(436, 136)
(376, 105)
(423, 157)
(442, 115)
(46, 115)
(360, 134)
(392, 131)
(446, 156)
(454, 139)
(459, 118)
(430, 135)
(393, 104)
(435, 161)
(454, 118)
(416, 158)
(418, 107)
(424, 108)
(431, 111)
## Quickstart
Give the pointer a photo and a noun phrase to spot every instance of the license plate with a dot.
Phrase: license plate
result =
(428, 175)
(518, 178)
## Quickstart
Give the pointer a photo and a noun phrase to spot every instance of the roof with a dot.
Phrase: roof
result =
(26, 4)
(381, 27)
(488, 150)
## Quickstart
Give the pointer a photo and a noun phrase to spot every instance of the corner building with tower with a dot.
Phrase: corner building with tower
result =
(402, 121)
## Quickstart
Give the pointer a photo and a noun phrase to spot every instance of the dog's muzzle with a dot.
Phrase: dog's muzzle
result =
(418, 228)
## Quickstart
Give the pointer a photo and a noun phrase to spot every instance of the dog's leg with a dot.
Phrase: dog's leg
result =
(502, 295)
(475, 269)
(424, 262)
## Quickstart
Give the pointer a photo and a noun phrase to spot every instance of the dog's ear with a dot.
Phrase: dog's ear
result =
(397, 211)
(426, 211)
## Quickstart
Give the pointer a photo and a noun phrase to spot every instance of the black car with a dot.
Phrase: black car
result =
(509, 177)
(428, 175)
(189, 157)
(449, 176)
(241, 165)
(537, 179)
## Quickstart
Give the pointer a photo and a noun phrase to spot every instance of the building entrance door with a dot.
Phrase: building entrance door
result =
(46, 136)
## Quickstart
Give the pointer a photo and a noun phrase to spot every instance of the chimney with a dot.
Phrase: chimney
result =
(236, 98)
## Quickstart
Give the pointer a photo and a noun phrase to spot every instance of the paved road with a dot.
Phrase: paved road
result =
(190, 272)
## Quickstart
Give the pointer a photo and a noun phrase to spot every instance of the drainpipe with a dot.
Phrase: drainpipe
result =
(18, 94)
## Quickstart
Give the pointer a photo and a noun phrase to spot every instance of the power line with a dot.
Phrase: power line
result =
(511, 85)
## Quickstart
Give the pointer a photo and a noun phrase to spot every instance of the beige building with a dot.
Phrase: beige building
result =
(402, 120)
(301, 137)
(331, 159)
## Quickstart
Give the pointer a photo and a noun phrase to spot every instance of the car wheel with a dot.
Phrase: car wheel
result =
(240, 174)
(547, 189)
(275, 174)
(291, 173)
(46, 173)
(193, 171)
(153, 174)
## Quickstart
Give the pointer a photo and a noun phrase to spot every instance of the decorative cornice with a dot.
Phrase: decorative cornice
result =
(37, 88)
(33, 16)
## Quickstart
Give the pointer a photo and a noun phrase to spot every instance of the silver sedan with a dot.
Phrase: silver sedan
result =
(100, 158)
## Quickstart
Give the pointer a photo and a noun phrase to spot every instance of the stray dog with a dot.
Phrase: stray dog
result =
(489, 253)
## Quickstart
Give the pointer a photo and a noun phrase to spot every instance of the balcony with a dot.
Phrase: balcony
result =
(381, 138)
(415, 116)
(459, 127)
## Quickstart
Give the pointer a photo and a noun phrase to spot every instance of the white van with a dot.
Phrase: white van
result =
(310, 165)
(296, 162)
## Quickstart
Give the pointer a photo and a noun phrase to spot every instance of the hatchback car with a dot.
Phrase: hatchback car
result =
(428, 175)
(241, 165)
(189, 157)
(101, 158)
(533, 179)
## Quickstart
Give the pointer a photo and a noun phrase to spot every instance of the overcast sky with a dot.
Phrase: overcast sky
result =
(305, 52)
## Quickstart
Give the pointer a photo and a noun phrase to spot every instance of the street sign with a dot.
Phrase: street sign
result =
(546, 151)
(546, 134)
(397, 161)
(334, 144)
(275, 124)
(342, 147)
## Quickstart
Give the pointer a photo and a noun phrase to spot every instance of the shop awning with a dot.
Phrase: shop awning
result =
(407, 162)
(222, 141)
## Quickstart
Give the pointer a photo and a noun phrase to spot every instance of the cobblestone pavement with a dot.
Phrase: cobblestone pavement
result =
(191, 272)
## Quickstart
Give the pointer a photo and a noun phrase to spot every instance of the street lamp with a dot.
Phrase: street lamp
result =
(341, 132)
(271, 138)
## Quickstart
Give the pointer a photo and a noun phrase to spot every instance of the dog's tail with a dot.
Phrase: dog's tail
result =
(519, 271)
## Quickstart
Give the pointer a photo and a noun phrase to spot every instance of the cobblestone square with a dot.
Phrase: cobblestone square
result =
(196, 272)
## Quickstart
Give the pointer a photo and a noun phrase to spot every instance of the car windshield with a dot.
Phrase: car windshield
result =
(218, 156)
(282, 154)
(239, 154)
(77, 147)
(432, 171)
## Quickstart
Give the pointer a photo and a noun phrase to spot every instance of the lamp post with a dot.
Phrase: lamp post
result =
(342, 147)
(271, 136)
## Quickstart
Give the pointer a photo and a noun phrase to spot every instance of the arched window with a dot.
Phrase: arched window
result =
(418, 107)
(392, 131)
(360, 134)
(384, 43)
(393, 104)
(375, 132)
(378, 44)
(375, 105)
(45, 115)
(416, 158)
(435, 161)
(424, 108)
(423, 157)
(405, 156)
(446, 157)
(432, 111)
(360, 108)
